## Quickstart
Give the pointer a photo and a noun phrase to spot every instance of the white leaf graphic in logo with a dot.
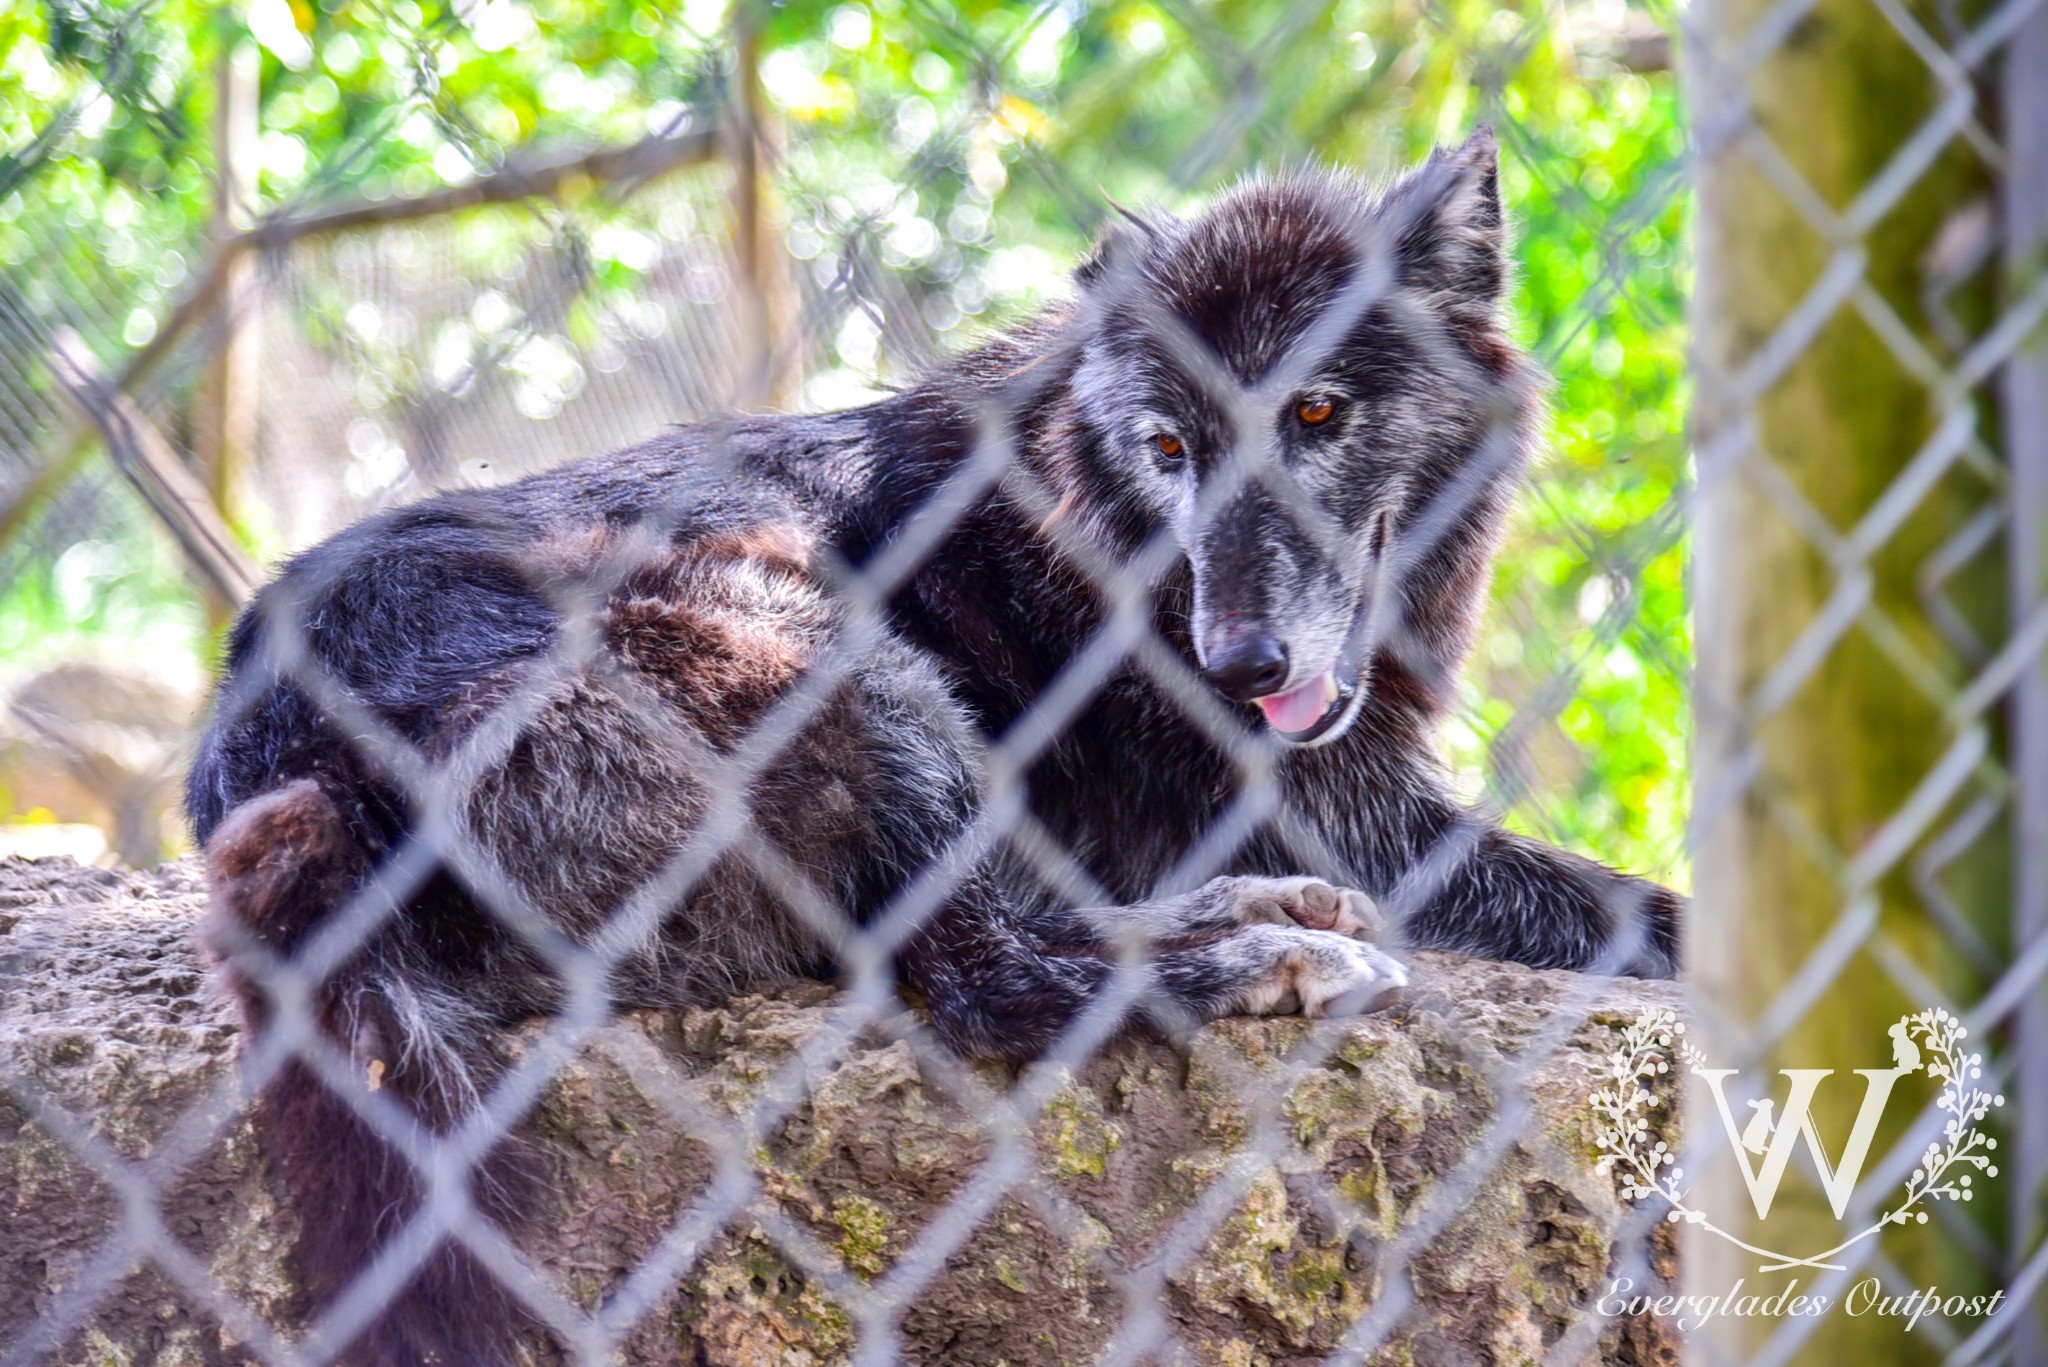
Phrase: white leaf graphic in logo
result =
(1927, 1041)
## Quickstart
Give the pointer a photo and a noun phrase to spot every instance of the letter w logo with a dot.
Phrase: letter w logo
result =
(1796, 1119)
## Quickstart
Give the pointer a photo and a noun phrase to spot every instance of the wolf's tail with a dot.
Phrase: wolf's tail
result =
(281, 864)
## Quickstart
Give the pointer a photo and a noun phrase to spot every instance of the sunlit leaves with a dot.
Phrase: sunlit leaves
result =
(944, 165)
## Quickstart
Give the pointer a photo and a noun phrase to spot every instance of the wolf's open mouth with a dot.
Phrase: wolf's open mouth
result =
(1303, 714)
(1323, 708)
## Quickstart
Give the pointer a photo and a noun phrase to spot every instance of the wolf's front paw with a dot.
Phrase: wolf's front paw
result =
(1318, 974)
(1308, 902)
(1348, 978)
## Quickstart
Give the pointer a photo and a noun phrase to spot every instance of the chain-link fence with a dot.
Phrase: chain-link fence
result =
(964, 701)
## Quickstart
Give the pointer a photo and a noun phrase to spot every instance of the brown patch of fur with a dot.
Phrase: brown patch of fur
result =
(773, 545)
(1058, 515)
(696, 620)
(292, 823)
(1498, 356)
(704, 625)
(573, 556)
(274, 856)
(279, 864)
(718, 669)
(570, 554)
(1056, 463)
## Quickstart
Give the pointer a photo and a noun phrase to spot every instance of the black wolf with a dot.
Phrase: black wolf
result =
(1188, 565)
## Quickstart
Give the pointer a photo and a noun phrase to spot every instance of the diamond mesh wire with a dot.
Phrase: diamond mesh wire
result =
(489, 341)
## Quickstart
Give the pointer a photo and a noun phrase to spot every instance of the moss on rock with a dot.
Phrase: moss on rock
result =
(871, 1165)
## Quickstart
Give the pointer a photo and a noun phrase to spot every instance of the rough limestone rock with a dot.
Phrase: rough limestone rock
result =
(1250, 1195)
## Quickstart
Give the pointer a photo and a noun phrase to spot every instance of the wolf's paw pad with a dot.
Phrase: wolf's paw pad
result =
(1312, 903)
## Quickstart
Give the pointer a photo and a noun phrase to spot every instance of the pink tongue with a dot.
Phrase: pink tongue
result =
(1300, 708)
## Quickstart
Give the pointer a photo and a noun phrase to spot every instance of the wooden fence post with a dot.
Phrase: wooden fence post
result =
(2025, 221)
(769, 367)
(227, 407)
(1824, 755)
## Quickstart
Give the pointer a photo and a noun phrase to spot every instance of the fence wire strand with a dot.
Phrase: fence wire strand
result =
(487, 342)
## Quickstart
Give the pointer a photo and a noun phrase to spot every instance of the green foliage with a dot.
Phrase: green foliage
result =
(1577, 705)
(967, 150)
(122, 590)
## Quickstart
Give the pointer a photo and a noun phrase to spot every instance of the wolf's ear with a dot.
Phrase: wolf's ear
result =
(1453, 233)
(1125, 240)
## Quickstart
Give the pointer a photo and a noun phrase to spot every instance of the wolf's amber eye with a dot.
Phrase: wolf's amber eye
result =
(1168, 444)
(1314, 412)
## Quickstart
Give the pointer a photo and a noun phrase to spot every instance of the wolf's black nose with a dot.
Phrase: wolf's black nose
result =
(1248, 667)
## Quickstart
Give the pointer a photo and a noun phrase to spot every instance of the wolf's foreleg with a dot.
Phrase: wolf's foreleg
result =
(1235, 900)
(1482, 890)
(1006, 981)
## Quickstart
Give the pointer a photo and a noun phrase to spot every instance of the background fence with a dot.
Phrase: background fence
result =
(1784, 261)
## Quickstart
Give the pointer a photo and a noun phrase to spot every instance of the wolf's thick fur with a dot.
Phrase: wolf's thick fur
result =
(583, 662)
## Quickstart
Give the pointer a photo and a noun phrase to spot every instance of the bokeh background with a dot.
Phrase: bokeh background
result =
(925, 174)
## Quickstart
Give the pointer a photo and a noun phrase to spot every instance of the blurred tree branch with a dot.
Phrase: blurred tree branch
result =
(538, 177)
(150, 463)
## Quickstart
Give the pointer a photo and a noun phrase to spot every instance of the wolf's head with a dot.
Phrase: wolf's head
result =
(1309, 386)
